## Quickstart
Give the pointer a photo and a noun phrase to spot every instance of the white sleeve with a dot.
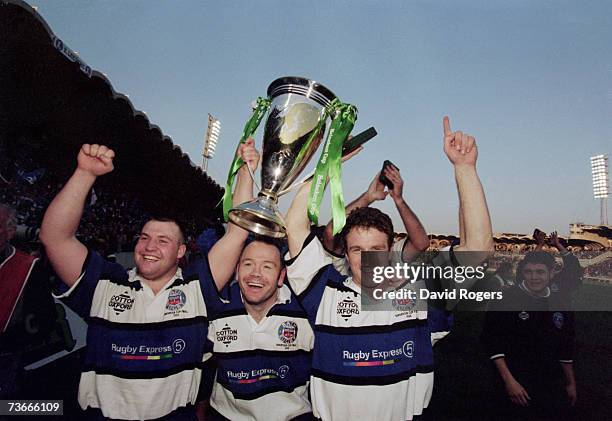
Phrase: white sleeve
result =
(398, 250)
(303, 267)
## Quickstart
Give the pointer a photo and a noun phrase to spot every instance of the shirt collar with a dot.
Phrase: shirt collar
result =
(134, 277)
(349, 283)
(534, 294)
(284, 295)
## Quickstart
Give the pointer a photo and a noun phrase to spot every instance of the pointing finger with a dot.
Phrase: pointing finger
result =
(446, 124)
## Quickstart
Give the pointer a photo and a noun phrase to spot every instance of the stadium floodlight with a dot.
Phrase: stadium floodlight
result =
(210, 143)
(601, 187)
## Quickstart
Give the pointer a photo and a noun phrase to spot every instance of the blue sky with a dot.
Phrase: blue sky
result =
(531, 80)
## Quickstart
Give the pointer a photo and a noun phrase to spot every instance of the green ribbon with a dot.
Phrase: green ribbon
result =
(329, 165)
(250, 127)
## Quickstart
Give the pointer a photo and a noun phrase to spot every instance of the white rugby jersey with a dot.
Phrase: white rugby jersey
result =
(145, 352)
(263, 368)
(366, 365)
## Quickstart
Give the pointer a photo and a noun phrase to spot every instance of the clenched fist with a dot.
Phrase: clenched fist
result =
(95, 159)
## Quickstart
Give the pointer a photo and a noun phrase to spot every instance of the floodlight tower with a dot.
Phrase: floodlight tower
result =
(601, 188)
(210, 143)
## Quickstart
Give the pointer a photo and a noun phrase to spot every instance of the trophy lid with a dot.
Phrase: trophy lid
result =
(301, 86)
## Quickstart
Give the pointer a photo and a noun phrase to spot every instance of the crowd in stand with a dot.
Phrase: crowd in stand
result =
(111, 219)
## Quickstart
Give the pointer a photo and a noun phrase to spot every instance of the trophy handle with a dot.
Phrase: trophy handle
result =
(304, 180)
(253, 176)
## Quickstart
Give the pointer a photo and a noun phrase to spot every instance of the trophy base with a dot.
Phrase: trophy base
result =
(260, 216)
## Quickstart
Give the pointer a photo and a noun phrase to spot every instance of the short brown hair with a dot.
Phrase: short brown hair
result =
(368, 218)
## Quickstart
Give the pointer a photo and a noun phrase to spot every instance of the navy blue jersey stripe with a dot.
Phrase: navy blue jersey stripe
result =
(372, 380)
(198, 320)
(177, 282)
(340, 287)
(372, 329)
(281, 310)
(263, 392)
(155, 374)
(187, 412)
(260, 353)
(230, 313)
(135, 285)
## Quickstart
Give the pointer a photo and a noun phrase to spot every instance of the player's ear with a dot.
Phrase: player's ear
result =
(281, 277)
(181, 251)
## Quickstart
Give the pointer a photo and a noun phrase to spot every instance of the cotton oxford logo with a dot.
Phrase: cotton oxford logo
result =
(346, 308)
(287, 332)
(408, 349)
(523, 315)
(557, 318)
(176, 300)
(120, 303)
(227, 335)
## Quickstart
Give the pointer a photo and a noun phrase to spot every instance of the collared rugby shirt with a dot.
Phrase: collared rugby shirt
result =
(366, 365)
(145, 352)
(263, 368)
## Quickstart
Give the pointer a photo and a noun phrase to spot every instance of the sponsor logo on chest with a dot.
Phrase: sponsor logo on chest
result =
(348, 307)
(377, 357)
(121, 302)
(142, 352)
(227, 335)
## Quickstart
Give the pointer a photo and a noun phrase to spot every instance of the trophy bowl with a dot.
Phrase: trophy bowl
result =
(294, 128)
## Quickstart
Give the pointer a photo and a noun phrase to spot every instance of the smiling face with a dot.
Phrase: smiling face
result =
(158, 250)
(259, 273)
(363, 239)
(536, 276)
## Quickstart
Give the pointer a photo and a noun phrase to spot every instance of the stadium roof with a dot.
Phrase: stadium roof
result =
(47, 92)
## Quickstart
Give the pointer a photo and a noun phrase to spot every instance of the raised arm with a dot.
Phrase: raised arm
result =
(462, 152)
(61, 220)
(417, 241)
(296, 220)
(223, 256)
(376, 191)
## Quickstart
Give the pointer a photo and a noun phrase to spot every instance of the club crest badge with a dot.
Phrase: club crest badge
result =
(558, 319)
(176, 300)
(287, 332)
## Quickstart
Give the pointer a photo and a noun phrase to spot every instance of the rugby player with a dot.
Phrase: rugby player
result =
(146, 337)
(262, 341)
(374, 365)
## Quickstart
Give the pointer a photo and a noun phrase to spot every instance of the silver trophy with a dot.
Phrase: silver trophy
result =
(294, 129)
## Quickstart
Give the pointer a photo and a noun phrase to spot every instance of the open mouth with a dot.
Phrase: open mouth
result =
(255, 284)
(150, 258)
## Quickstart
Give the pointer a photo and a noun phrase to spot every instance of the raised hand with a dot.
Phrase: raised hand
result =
(95, 159)
(460, 148)
(393, 174)
(376, 190)
(554, 240)
(249, 154)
